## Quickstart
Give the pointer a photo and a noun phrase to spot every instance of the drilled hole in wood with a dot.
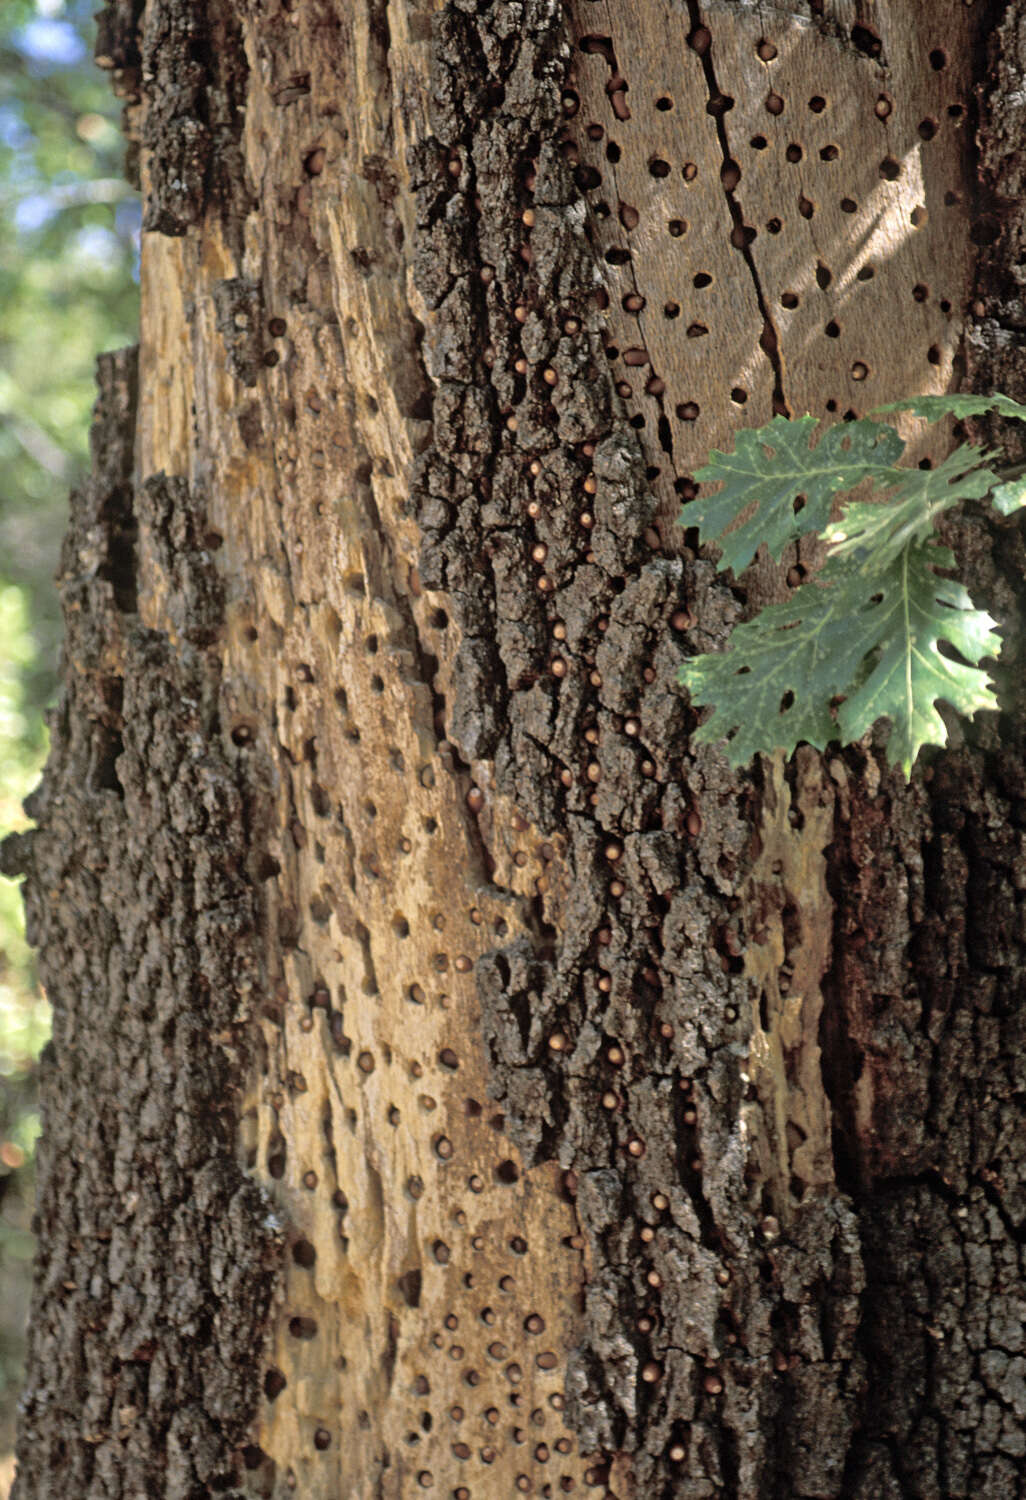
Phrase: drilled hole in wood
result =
(304, 1254)
(866, 40)
(774, 104)
(890, 169)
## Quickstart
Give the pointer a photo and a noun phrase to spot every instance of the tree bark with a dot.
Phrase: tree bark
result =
(458, 1083)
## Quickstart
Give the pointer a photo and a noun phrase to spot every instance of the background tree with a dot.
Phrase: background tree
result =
(457, 1084)
(68, 245)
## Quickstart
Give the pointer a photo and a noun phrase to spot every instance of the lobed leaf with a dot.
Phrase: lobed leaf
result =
(767, 471)
(1010, 496)
(886, 526)
(910, 676)
(869, 636)
(934, 408)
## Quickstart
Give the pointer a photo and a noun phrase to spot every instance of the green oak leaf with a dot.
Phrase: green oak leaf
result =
(909, 675)
(871, 638)
(934, 408)
(885, 526)
(800, 651)
(1010, 496)
(767, 471)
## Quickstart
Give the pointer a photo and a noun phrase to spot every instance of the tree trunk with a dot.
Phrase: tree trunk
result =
(458, 1084)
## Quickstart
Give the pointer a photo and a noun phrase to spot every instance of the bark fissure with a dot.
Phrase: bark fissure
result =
(743, 234)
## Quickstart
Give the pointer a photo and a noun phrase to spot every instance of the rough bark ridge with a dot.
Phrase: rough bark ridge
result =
(630, 1008)
(927, 1026)
(156, 1253)
(194, 72)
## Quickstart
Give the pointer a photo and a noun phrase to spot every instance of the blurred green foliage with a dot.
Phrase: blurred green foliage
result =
(68, 257)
